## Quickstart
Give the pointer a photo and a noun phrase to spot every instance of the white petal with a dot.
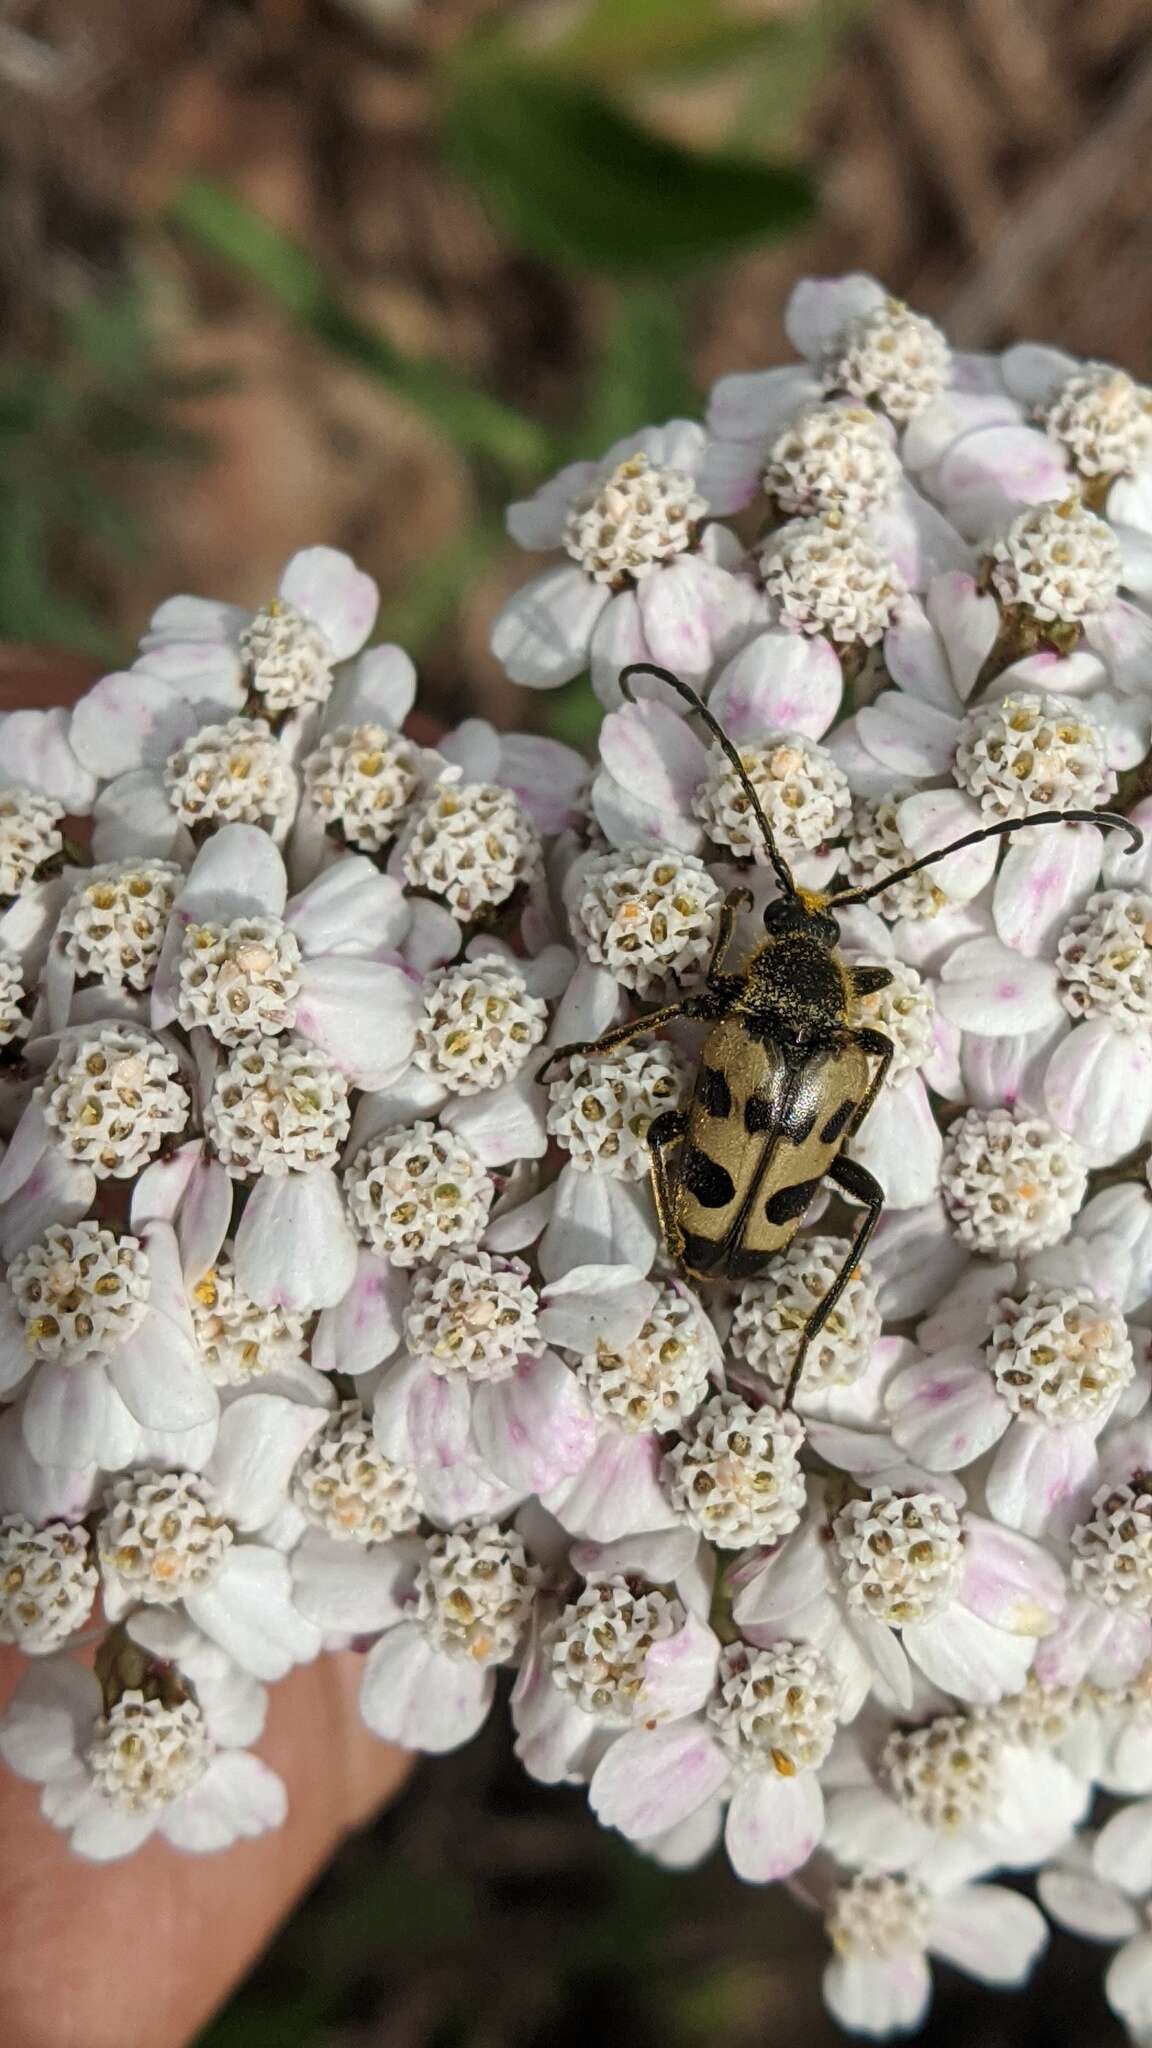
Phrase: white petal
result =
(617, 1493)
(916, 660)
(773, 1825)
(988, 475)
(539, 521)
(916, 1258)
(1038, 1474)
(968, 1657)
(987, 988)
(549, 778)
(598, 1221)
(1044, 877)
(237, 1798)
(679, 1673)
(132, 819)
(820, 308)
(988, 1931)
(49, 1718)
(378, 688)
(238, 872)
(102, 1834)
(1128, 1986)
(362, 1014)
(364, 1327)
(542, 633)
(878, 1995)
(412, 1695)
(259, 1439)
(934, 818)
(35, 749)
(1085, 1905)
(867, 1830)
(780, 682)
(652, 753)
(1122, 637)
(946, 1411)
(127, 721)
(248, 1610)
(900, 1143)
(349, 1588)
(654, 1780)
(617, 641)
(1009, 1580)
(502, 1124)
(774, 1586)
(158, 1375)
(594, 1304)
(908, 738)
(194, 1192)
(967, 622)
(328, 587)
(1098, 1088)
(455, 1482)
(73, 1417)
(294, 1247)
(1116, 1228)
(350, 908)
(1123, 1851)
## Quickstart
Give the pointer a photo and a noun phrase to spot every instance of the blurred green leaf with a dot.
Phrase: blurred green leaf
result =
(431, 594)
(644, 370)
(611, 37)
(574, 179)
(226, 227)
(780, 77)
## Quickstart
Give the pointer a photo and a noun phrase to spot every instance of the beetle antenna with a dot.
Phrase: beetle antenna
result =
(780, 866)
(1108, 821)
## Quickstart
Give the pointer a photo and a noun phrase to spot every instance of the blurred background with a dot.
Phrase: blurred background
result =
(358, 271)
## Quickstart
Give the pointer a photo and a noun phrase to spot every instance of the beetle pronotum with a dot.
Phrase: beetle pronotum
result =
(785, 1077)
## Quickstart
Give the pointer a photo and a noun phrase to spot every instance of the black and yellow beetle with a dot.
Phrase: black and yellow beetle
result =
(785, 1078)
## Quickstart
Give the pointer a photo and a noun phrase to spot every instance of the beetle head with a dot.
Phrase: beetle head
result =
(803, 912)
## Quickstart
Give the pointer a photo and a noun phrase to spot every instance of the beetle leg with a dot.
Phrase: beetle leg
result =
(856, 1181)
(664, 1131)
(620, 1034)
(736, 899)
(882, 1049)
(869, 980)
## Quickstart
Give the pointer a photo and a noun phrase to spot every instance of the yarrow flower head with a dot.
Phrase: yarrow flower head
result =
(239, 1340)
(802, 792)
(344, 1484)
(900, 1555)
(113, 1098)
(602, 1110)
(81, 1290)
(480, 1025)
(1104, 960)
(1032, 753)
(833, 458)
(770, 1316)
(639, 516)
(648, 914)
(47, 1583)
(30, 836)
(362, 780)
(239, 980)
(236, 773)
(598, 1646)
(474, 1315)
(1011, 1182)
(418, 1192)
(826, 576)
(1059, 563)
(277, 1109)
(1103, 418)
(735, 1474)
(114, 922)
(894, 358)
(471, 844)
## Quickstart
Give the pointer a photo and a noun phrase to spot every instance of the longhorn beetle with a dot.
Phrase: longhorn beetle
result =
(786, 1077)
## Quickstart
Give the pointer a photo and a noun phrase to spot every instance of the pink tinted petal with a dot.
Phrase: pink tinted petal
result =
(773, 1825)
(1116, 1228)
(538, 521)
(412, 1695)
(987, 988)
(1066, 1657)
(351, 908)
(908, 738)
(294, 1247)
(502, 1124)
(918, 538)
(989, 1931)
(661, 1556)
(916, 660)
(1009, 1580)
(363, 1329)
(679, 1674)
(454, 1481)
(756, 404)
(1004, 1071)
(1098, 1088)
(542, 634)
(129, 720)
(968, 1657)
(820, 308)
(901, 1144)
(617, 1493)
(934, 818)
(990, 474)
(548, 777)
(946, 1411)
(328, 587)
(774, 1585)
(780, 682)
(653, 752)
(534, 1429)
(732, 473)
(1044, 877)
(673, 618)
(655, 1779)
(1122, 637)
(1038, 1475)
(35, 749)
(617, 640)
(380, 687)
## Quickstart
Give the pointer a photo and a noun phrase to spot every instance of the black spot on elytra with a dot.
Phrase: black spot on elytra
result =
(711, 1184)
(746, 1265)
(713, 1092)
(701, 1254)
(759, 1115)
(837, 1123)
(787, 1203)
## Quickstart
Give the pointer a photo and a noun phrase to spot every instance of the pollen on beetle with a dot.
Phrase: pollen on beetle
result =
(417, 1192)
(802, 791)
(648, 914)
(14, 1022)
(774, 1709)
(597, 1647)
(231, 774)
(827, 577)
(143, 1753)
(660, 1378)
(239, 980)
(1059, 1354)
(47, 1583)
(833, 458)
(112, 1099)
(1032, 752)
(735, 1473)
(1060, 563)
(81, 1290)
(900, 1555)
(904, 1011)
(1011, 1182)
(479, 1025)
(1104, 960)
(114, 922)
(277, 1109)
(474, 1592)
(770, 1315)
(345, 1485)
(471, 844)
(362, 779)
(601, 1111)
(473, 1315)
(879, 1916)
(1103, 419)
(30, 836)
(1112, 1561)
(945, 1774)
(238, 1340)
(875, 848)
(289, 658)
(162, 1535)
(895, 359)
(637, 517)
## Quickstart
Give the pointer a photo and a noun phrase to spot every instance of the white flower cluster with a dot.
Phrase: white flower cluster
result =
(351, 1283)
